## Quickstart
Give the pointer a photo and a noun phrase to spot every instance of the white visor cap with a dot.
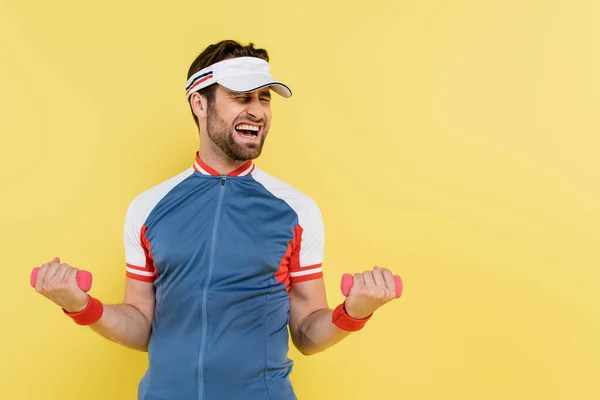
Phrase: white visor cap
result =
(240, 74)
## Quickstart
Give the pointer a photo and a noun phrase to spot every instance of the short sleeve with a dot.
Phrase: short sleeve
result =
(138, 249)
(138, 258)
(306, 262)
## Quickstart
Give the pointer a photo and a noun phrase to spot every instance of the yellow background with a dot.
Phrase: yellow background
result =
(455, 142)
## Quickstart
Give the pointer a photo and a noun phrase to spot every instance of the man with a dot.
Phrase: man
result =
(222, 258)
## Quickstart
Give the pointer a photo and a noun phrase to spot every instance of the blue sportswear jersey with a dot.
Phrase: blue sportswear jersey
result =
(222, 253)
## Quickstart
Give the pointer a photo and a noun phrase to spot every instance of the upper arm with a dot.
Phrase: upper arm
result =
(305, 298)
(140, 295)
(307, 288)
(140, 269)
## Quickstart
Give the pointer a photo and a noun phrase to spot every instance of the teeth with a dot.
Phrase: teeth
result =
(247, 128)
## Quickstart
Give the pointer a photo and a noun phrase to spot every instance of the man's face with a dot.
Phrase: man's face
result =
(238, 123)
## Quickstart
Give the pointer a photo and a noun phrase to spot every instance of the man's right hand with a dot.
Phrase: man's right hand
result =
(58, 282)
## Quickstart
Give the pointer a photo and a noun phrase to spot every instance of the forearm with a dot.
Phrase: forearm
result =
(124, 324)
(317, 332)
(314, 326)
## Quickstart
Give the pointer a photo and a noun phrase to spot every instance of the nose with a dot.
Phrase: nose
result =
(255, 109)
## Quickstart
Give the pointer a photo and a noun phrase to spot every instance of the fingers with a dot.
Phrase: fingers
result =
(71, 276)
(359, 282)
(46, 274)
(378, 276)
(381, 287)
(50, 275)
(378, 283)
(41, 278)
(390, 282)
(61, 274)
(51, 272)
(368, 279)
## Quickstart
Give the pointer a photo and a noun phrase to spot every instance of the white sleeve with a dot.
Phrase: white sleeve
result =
(307, 259)
(137, 249)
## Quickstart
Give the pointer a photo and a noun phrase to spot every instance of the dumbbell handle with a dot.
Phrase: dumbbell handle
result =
(84, 279)
(348, 281)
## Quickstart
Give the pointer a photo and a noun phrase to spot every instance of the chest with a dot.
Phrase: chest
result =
(233, 232)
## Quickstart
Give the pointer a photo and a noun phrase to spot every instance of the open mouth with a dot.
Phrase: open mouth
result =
(246, 130)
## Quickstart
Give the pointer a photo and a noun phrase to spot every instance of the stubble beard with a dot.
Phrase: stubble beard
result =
(222, 136)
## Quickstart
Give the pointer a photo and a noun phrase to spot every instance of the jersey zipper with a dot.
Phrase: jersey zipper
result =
(213, 244)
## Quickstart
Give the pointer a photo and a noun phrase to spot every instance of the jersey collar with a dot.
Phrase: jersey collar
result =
(203, 168)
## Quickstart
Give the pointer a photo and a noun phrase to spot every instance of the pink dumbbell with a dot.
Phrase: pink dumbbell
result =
(348, 281)
(84, 279)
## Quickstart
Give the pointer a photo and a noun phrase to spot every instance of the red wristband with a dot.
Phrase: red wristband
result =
(345, 322)
(90, 314)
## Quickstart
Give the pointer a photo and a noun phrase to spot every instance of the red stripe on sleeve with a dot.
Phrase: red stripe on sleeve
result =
(304, 278)
(150, 267)
(140, 277)
(296, 243)
(291, 259)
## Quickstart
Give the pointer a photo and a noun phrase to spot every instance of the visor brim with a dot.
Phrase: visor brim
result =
(250, 82)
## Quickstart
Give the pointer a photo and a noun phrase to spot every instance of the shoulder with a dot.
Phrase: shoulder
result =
(302, 203)
(144, 202)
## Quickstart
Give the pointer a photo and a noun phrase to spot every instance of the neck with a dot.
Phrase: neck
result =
(219, 161)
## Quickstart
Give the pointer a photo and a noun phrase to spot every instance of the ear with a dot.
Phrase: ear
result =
(199, 105)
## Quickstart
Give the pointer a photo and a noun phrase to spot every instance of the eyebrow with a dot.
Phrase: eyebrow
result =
(262, 92)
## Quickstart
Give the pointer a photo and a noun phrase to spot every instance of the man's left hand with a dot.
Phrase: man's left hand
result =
(370, 290)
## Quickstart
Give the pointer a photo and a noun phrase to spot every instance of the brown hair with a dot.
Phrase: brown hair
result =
(218, 52)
